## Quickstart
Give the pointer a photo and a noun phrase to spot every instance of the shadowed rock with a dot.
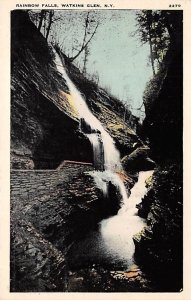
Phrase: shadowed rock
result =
(49, 211)
(138, 160)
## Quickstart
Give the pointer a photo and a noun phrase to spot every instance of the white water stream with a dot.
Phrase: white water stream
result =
(117, 231)
(114, 240)
(111, 154)
(112, 244)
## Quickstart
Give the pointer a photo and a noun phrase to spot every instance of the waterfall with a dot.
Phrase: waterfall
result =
(111, 154)
(116, 233)
(102, 178)
(98, 151)
(112, 243)
(98, 138)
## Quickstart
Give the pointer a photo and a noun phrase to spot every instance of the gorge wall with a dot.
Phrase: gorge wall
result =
(159, 248)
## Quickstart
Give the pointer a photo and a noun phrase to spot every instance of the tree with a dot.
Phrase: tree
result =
(90, 29)
(153, 29)
(42, 16)
(73, 32)
(44, 19)
(50, 21)
(86, 54)
(165, 36)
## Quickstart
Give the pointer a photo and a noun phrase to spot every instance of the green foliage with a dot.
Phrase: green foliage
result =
(153, 28)
(159, 28)
(162, 29)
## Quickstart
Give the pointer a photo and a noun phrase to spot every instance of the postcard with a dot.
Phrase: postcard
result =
(94, 168)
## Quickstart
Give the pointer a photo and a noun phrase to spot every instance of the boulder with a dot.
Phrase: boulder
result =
(138, 160)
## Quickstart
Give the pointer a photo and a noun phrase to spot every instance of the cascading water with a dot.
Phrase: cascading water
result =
(114, 240)
(117, 231)
(98, 152)
(111, 154)
(112, 244)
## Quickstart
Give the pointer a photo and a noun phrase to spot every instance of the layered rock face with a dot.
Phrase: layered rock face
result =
(159, 246)
(44, 126)
(44, 121)
(109, 111)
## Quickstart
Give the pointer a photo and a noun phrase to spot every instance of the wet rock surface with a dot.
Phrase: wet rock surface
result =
(108, 110)
(100, 279)
(138, 160)
(49, 211)
(159, 248)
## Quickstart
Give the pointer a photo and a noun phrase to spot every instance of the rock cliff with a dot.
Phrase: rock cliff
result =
(159, 247)
(44, 126)
(44, 121)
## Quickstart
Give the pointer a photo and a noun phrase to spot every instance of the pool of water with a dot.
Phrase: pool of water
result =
(111, 245)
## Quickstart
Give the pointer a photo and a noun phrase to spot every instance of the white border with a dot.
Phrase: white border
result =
(5, 8)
